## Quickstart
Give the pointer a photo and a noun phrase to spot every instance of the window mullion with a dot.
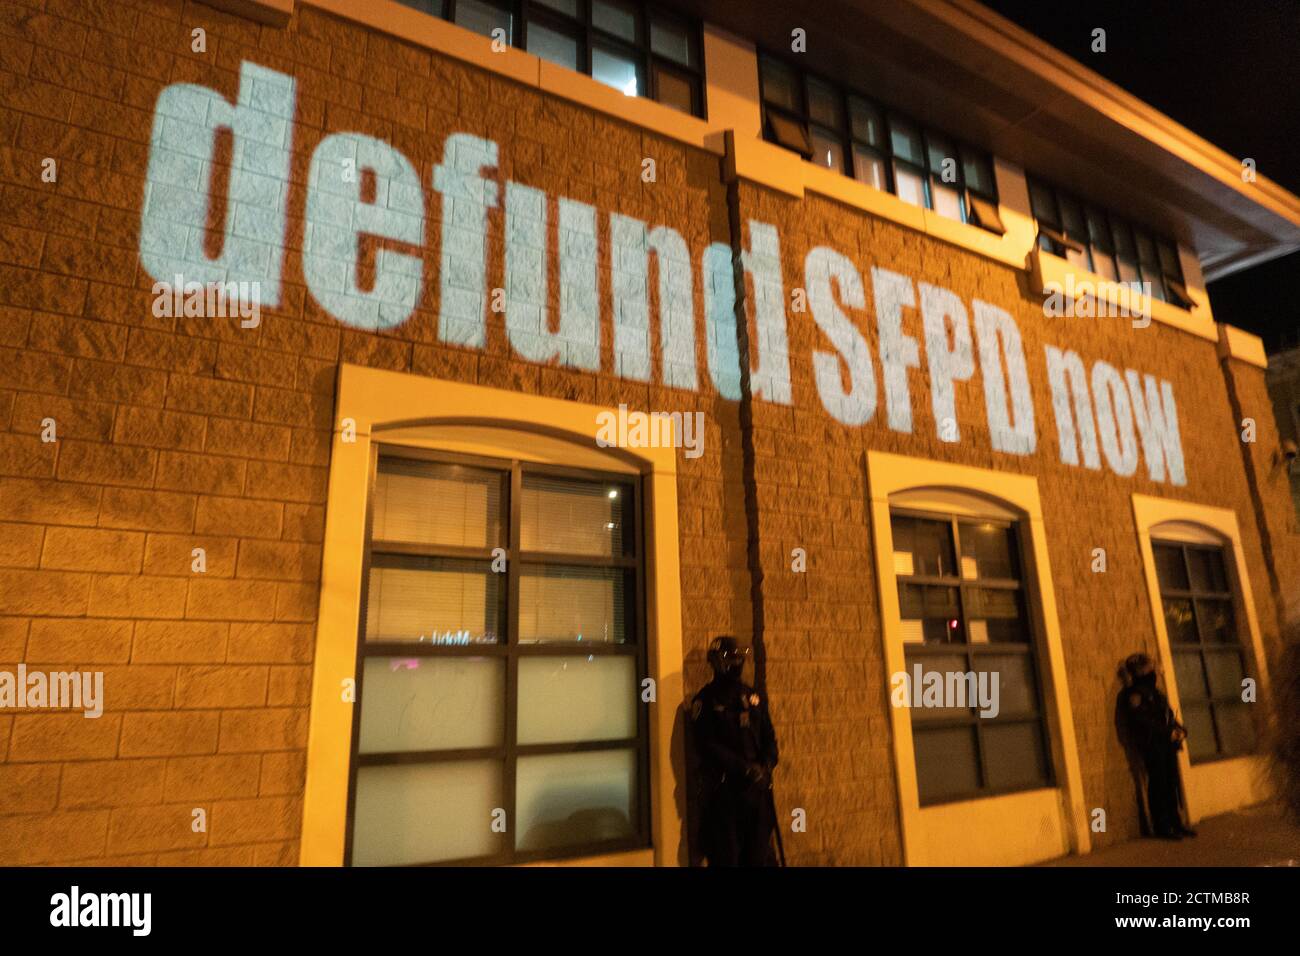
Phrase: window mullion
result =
(512, 657)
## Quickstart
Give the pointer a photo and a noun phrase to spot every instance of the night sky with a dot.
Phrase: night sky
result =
(1230, 72)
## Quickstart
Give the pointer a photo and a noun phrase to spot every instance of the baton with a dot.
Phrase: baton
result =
(776, 824)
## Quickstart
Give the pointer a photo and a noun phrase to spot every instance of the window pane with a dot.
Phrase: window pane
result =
(1207, 570)
(1099, 230)
(572, 604)
(553, 46)
(567, 7)
(616, 70)
(922, 546)
(1124, 240)
(788, 133)
(1128, 273)
(942, 665)
(979, 177)
(672, 40)
(1017, 686)
(572, 516)
(431, 703)
(436, 600)
(781, 86)
(1190, 675)
(430, 503)
(567, 799)
(675, 90)
(869, 168)
(866, 123)
(1170, 570)
(1043, 204)
(910, 185)
(827, 150)
(1179, 621)
(424, 6)
(1169, 260)
(996, 616)
(569, 699)
(1200, 731)
(1147, 250)
(947, 202)
(938, 149)
(1226, 673)
(1236, 728)
(988, 551)
(616, 17)
(1013, 756)
(905, 141)
(484, 18)
(1103, 264)
(929, 613)
(1072, 220)
(424, 813)
(946, 765)
(1078, 258)
(1217, 623)
(824, 105)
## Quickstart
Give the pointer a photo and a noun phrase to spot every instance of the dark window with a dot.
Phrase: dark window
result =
(1209, 660)
(1101, 242)
(500, 660)
(854, 136)
(961, 596)
(630, 45)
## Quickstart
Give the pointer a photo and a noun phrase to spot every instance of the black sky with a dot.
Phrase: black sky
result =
(1229, 70)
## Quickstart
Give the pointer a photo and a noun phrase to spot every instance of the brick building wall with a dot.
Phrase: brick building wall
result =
(183, 433)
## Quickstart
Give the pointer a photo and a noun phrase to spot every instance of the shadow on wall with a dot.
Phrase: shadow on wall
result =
(1284, 728)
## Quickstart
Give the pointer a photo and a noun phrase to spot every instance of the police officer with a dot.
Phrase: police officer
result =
(737, 752)
(1152, 736)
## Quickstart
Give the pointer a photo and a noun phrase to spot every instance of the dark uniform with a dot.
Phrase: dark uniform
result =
(737, 753)
(1152, 736)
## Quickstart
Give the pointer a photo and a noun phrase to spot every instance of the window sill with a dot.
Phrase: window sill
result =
(641, 857)
(1046, 269)
(767, 164)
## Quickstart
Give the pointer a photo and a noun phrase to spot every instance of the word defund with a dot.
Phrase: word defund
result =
(103, 909)
(58, 690)
(946, 689)
(366, 244)
(654, 430)
(210, 300)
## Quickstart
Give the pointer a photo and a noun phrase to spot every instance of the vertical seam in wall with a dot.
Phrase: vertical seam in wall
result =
(753, 554)
(1256, 502)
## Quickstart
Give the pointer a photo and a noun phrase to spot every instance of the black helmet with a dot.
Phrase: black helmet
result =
(727, 656)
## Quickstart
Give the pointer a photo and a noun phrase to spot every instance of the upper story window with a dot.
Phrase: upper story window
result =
(1107, 245)
(1209, 660)
(502, 650)
(962, 601)
(630, 45)
(854, 136)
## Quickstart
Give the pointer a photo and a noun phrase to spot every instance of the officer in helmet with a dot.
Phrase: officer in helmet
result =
(1152, 737)
(737, 753)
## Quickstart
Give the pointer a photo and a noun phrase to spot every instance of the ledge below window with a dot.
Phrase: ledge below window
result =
(1047, 270)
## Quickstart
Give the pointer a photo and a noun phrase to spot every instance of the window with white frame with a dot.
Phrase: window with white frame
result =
(1205, 641)
(963, 608)
(501, 653)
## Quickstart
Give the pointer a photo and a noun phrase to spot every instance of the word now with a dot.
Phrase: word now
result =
(360, 186)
